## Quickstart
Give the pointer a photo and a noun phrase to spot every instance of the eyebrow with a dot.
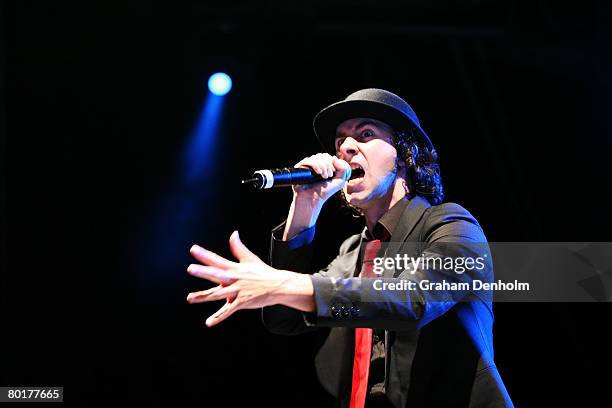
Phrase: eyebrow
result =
(363, 123)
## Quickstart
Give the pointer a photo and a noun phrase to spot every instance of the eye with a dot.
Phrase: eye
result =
(339, 142)
(367, 134)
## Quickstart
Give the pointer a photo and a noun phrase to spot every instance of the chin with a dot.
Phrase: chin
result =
(358, 199)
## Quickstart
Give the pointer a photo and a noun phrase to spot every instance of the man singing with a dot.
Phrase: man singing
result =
(390, 348)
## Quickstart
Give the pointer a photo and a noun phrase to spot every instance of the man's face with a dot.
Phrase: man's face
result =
(367, 143)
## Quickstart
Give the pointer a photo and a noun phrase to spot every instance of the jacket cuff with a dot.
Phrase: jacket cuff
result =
(359, 302)
(294, 254)
(335, 301)
(302, 239)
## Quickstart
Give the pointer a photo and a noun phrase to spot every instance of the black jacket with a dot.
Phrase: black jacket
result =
(439, 352)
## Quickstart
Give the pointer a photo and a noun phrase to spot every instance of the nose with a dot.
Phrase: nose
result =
(348, 148)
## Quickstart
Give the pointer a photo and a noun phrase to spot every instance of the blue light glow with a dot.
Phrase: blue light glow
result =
(183, 214)
(219, 83)
(201, 149)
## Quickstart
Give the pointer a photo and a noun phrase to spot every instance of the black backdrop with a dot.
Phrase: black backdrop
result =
(99, 101)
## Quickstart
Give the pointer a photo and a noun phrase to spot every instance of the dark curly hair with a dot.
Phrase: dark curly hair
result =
(422, 169)
(423, 172)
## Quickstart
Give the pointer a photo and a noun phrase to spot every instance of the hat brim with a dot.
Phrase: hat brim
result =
(328, 119)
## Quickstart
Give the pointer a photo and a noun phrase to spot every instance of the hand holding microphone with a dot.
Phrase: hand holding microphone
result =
(334, 171)
(314, 180)
(306, 175)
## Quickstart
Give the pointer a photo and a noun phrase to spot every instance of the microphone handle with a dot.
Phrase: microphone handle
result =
(264, 179)
(290, 176)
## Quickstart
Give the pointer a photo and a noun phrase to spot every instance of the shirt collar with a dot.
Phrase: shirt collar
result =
(387, 223)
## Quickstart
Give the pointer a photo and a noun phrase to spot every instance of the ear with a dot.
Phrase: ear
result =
(402, 169)
(400, 162)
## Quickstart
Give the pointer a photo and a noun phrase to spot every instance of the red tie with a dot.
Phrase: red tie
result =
(363, 336)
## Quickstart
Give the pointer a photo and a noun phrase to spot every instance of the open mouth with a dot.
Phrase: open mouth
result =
(356, 172)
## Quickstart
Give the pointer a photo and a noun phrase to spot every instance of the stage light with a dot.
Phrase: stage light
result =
(219, 83)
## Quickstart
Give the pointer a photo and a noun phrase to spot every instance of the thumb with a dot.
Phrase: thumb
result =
(343, 169)
(239, 250)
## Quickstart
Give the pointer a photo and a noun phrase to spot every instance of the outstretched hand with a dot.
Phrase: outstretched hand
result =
(247, 284)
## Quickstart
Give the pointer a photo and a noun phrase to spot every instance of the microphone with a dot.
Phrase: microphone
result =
(285, 177)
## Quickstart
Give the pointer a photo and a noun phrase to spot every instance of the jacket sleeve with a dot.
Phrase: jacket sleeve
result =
(293, 255)
(450, 232)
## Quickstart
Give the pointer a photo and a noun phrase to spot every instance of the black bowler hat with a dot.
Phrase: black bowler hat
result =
(367, 103)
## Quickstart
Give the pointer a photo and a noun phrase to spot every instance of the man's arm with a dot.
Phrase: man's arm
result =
(346, 302)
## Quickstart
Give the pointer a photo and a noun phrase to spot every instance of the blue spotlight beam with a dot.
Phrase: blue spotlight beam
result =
(201, 151)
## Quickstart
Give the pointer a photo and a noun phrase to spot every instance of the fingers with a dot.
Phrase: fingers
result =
(213, 274)
(210, 258)
(216, 293)
(342, 168)
(321, 163)
(226, 311)
(194, 297)
(239, 250)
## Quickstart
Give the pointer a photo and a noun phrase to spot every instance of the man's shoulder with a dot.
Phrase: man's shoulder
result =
(421, 213)
(449, 211)
(453, 219)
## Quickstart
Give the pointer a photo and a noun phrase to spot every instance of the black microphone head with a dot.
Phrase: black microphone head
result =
(256, 181)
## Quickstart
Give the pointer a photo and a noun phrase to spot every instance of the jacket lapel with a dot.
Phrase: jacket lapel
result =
(352, 258)
(410, 217)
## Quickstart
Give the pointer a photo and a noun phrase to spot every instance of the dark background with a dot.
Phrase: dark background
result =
(99, 102)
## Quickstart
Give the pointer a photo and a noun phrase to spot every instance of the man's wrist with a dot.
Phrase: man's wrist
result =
(303, 215)
(296, 291)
